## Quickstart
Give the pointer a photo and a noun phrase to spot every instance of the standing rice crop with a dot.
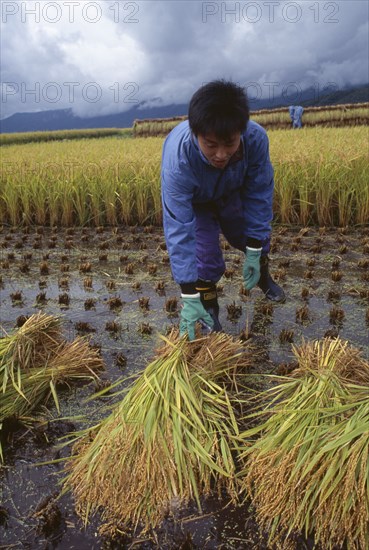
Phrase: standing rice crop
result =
(308, 471)
(168, 440)
(320, 177)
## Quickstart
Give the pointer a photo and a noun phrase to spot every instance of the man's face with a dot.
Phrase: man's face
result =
(217, 151)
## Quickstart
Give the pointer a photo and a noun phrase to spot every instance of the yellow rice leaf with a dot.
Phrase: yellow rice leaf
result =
(150, 423)
(54, 394)
(5, 379)
(204, 456)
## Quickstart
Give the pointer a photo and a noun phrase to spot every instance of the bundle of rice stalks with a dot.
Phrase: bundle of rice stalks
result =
(309, 469)
(70, 362)
(168, 440)
(35, 360)
(29, 346)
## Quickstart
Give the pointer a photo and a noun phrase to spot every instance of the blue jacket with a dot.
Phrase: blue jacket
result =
(297, 117)
(187, 178)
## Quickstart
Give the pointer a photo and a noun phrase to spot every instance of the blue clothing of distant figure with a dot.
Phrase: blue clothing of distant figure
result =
(200, 200)
(291, 110)
(296, 115)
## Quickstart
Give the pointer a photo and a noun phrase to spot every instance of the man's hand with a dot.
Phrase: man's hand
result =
(191, 312)
(251, 267)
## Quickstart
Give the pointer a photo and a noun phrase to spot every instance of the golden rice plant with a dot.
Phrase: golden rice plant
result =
(308, 471)
(167, 441)
(56, 135)
(320, 178)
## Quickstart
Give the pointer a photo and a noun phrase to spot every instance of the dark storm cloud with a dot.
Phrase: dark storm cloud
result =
(103, 57)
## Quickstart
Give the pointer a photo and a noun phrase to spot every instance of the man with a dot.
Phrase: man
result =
(297, 119)
(296, 112)
(216, 176)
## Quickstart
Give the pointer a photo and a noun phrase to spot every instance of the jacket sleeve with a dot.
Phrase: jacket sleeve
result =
(258, 187)
(179, 224)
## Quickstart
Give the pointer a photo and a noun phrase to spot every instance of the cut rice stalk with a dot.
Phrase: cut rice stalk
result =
(309, 469)
(29, 346)
(170, 438)
(71, 361)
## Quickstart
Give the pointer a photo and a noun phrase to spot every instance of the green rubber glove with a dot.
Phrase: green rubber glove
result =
(251, 268)
(191, 312)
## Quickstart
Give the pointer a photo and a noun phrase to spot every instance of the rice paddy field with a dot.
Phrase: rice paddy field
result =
(321, 178)
(81, 240)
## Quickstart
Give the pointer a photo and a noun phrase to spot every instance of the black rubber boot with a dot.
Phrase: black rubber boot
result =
(209, 299)
(272, 291)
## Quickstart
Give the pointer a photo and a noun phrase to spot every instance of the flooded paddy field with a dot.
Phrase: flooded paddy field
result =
(114, 286)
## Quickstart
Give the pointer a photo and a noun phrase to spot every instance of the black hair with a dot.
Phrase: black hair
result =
(219, 107)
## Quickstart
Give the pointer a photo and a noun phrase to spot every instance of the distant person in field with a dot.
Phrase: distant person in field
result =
(296, 112)
(217, 177)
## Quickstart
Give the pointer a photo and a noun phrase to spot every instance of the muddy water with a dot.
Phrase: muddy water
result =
(92, 267)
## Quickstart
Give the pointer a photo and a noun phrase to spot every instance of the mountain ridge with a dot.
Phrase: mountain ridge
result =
(64, 119)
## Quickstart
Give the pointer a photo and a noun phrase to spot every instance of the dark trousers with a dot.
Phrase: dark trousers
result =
(226, 216)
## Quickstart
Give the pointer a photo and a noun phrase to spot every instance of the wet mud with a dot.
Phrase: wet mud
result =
(114, 286)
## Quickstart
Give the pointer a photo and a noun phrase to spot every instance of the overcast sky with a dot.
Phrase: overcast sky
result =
(105, 56)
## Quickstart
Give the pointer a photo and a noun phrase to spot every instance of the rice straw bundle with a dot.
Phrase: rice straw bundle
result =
(29, 346)
(309, 469)
(70, 362)
(34, 360)
(169, 439)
